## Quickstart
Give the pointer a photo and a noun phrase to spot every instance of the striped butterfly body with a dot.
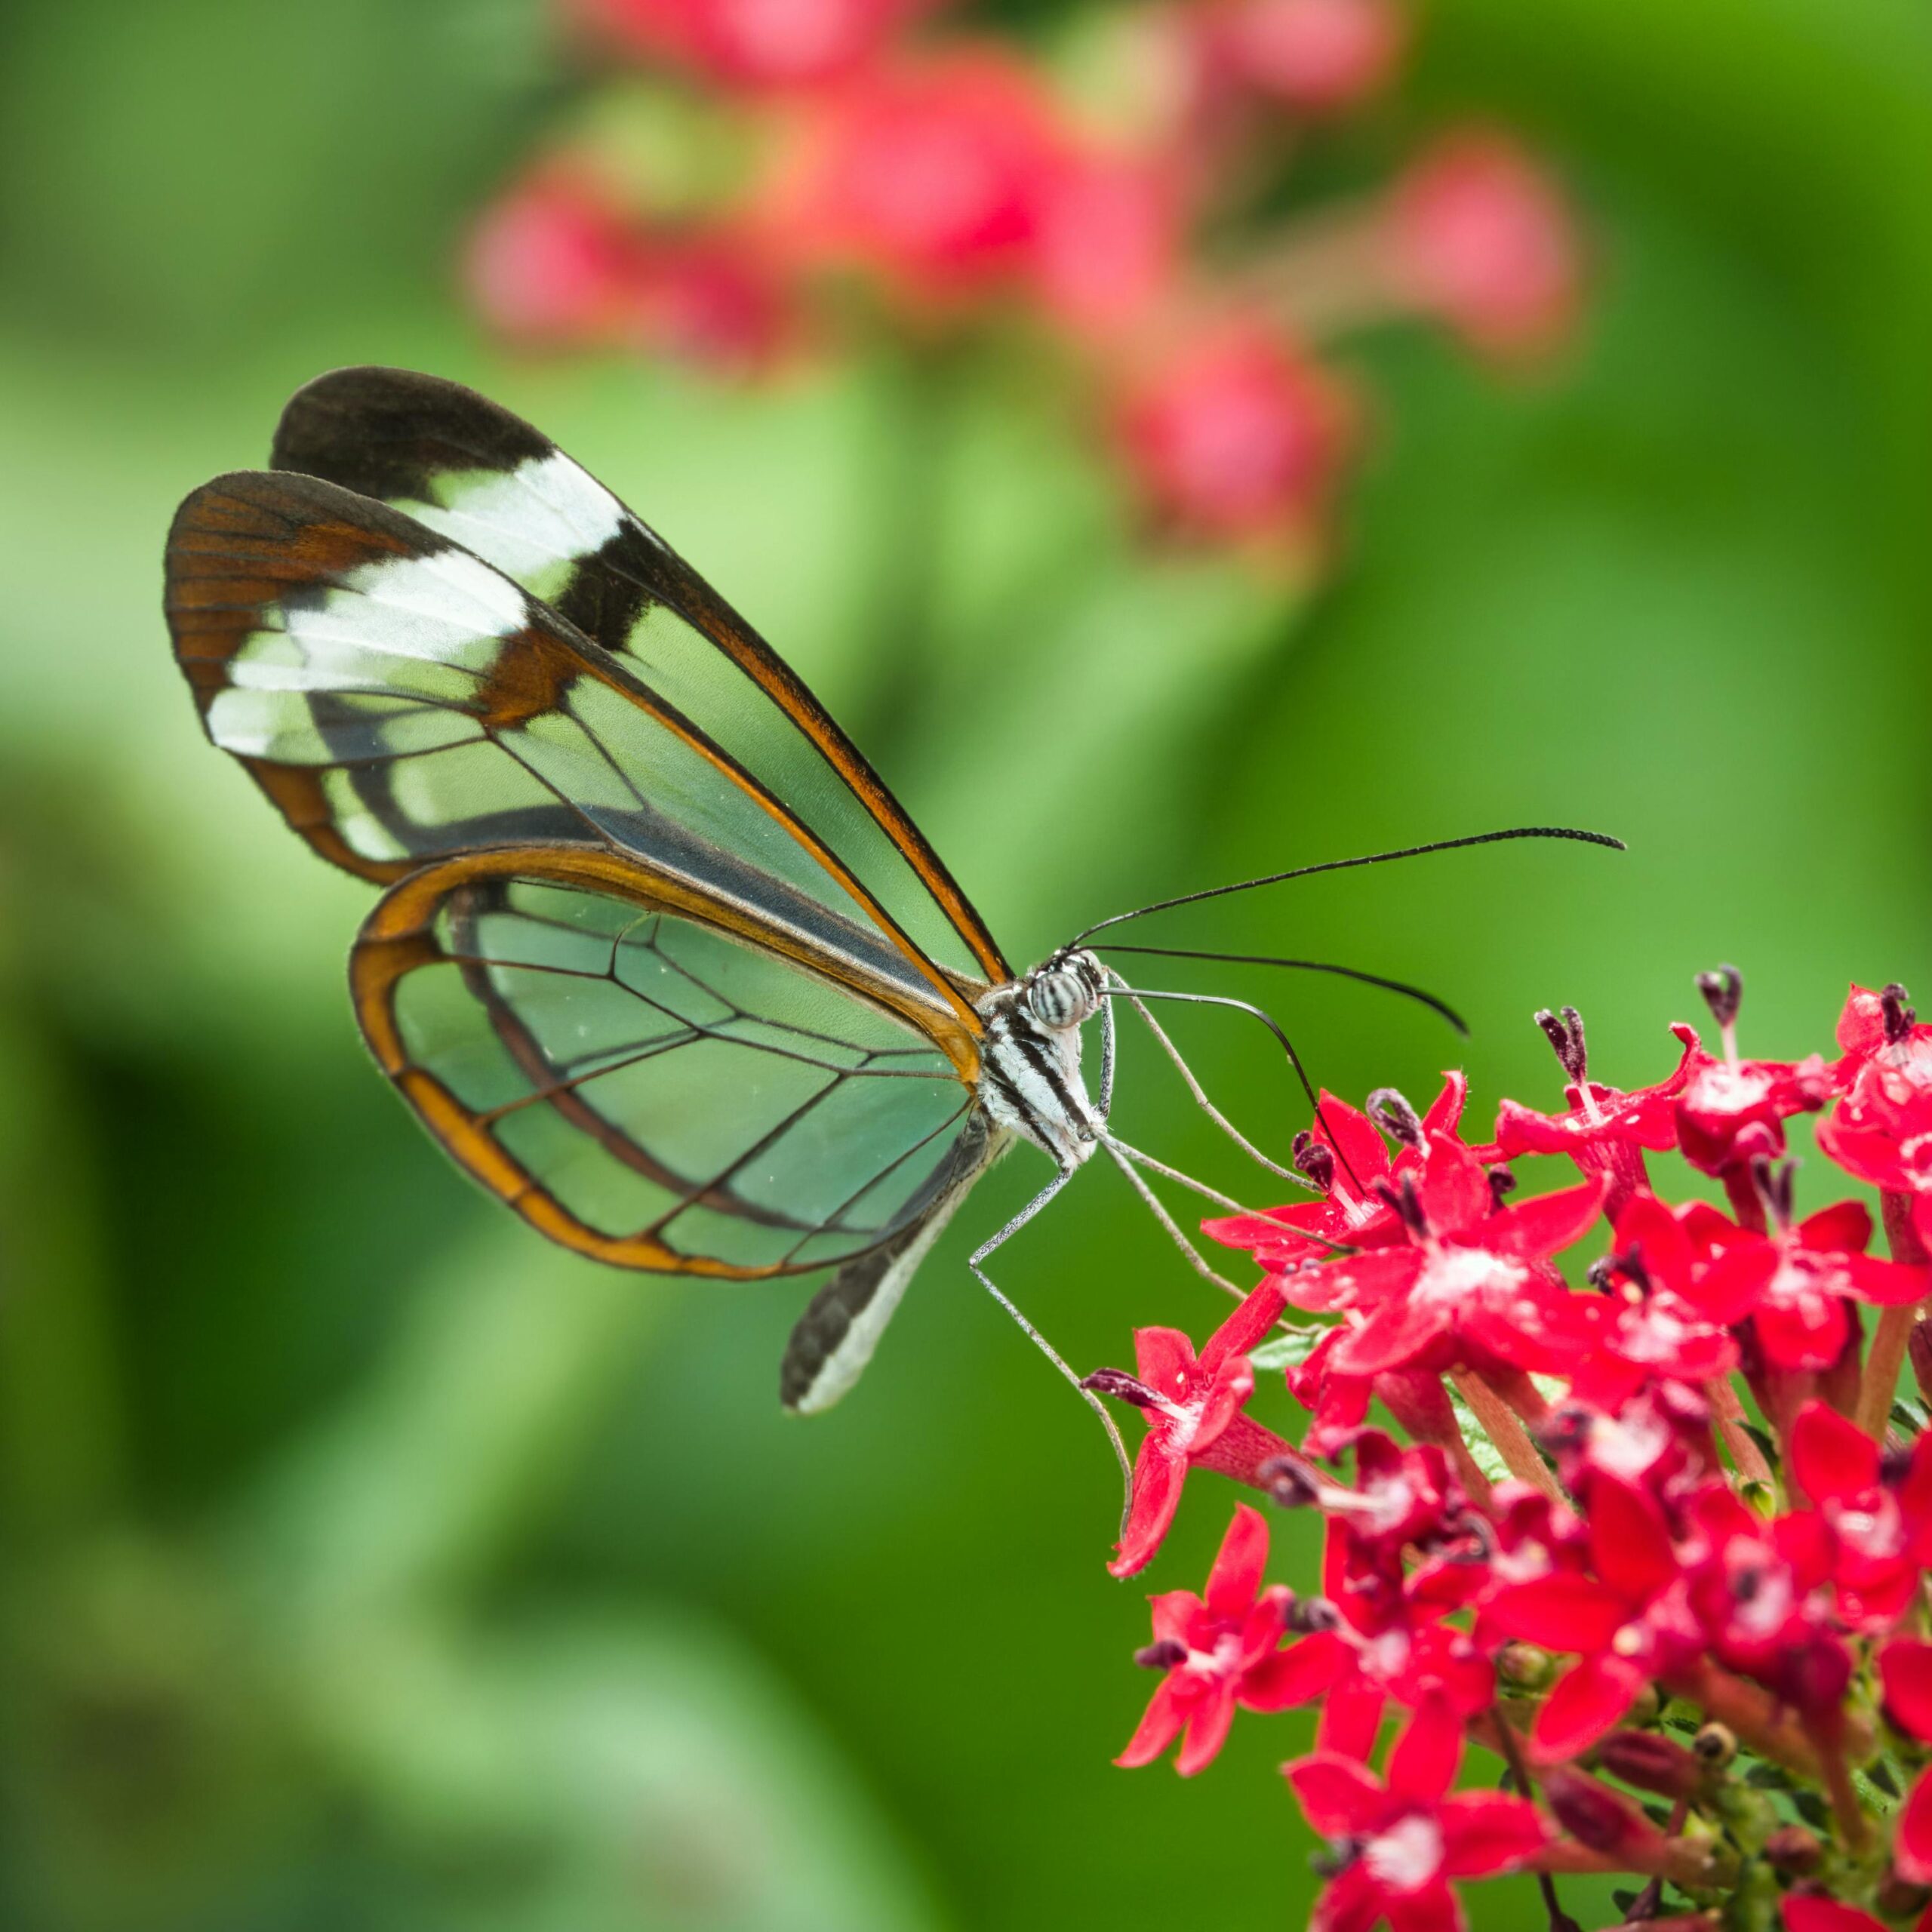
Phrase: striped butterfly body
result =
(659, 961)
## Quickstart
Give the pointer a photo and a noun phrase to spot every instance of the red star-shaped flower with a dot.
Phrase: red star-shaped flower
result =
(1731, 1111)
(1193, 1406)
(1880, 1523)
(1400, 1843)
(1624, 1621)
(1792, 1285)
(1760, 1592)
(1371, 1637)
(1349, 1162)
(1905, 1666)
(1214, 1649)
(1604, 1131)
(1471, 1281)
(1648, 1329)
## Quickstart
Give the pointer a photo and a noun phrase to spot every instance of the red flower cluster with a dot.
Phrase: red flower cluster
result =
(1686, 1621)
(787, 154)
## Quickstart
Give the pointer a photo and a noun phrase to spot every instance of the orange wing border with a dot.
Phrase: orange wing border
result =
(398, 936)
(223, 571)
(368, 415)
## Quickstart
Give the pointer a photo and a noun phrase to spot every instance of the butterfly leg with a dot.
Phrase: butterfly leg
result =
(1194, 1087)
(1125, 1157)
(1033, 1334)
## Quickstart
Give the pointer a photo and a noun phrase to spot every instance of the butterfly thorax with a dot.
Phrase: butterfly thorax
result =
(1030, 1076)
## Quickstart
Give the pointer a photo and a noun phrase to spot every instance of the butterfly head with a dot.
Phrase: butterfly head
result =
(1064, 990)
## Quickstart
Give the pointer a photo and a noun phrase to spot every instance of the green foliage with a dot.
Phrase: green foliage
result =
(368, 1564)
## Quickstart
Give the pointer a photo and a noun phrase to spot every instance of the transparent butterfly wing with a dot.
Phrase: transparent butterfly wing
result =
(402, 700)
(627, 1060)
(464, 467)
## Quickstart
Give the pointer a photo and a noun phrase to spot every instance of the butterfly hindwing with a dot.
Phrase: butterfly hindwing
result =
(468, 469)
(630, 1065)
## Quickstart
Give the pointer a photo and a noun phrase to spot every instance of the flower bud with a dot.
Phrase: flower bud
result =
(1525, 1667)
(1652, 1763)
(1716, 1744)
(1595, 1816)
(1793, 1851)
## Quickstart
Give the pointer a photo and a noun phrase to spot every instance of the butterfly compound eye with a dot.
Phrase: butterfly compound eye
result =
(1059, 998)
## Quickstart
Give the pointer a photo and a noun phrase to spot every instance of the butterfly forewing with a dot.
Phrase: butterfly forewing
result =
(402, 700)
(648, 1084)
(466, 468)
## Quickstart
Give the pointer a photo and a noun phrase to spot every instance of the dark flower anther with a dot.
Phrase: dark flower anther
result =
(1565, 1032)
(1897, 1013)
(1776, 1185)
(1393, 1113)
(1501, 1185)
(1117, 1383)
(1723, 994)
(1289, 1481)
(1315, 1160)
(1161, 1656)
(1309, 1615)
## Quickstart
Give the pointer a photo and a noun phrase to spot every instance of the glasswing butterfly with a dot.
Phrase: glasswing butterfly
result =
(661, 961)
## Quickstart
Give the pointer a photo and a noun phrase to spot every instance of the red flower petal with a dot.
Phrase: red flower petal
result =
(1587, 1701)
(1423, 1761)
(1562, 1611)
(1832, 1459)
(1339, 1796)
(1236, 1576)
(1360, 1150)
(1167, 1711)
(1845, 1229)
(1734, 1283)
(1483, 1833)
(1351, 1717)
(1659, 1237)
(1391, 1337)
(1906, 1667)
(1810, 1331)
(1911, 1843)
(1163, 1359)
(1432, 1908)
(1445, 1111)
(1246, 1327)
(1455, 1190)
(1544, 1225)
(1207, 1728)
(1805, 1913)
(1301, 1672)
(1887, 1284)
(1630, 1540)
(1351, 1903)
(1157, 1477)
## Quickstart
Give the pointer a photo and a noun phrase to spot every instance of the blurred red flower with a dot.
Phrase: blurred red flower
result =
(753, 43)
(1314, 56)
(1478, 234)
(932, 174)
(1233, 432)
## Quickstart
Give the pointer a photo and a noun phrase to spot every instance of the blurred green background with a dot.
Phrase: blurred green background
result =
(368, 1563)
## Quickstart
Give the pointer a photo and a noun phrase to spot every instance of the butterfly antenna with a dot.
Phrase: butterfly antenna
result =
(1344, 865)
(1124, 991)
(1419, 994)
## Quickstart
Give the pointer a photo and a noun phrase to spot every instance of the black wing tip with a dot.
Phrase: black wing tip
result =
(385, 430)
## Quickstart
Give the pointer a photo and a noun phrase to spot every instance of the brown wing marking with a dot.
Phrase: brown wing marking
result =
(399, 936)
(388, 433)
(244, 540)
